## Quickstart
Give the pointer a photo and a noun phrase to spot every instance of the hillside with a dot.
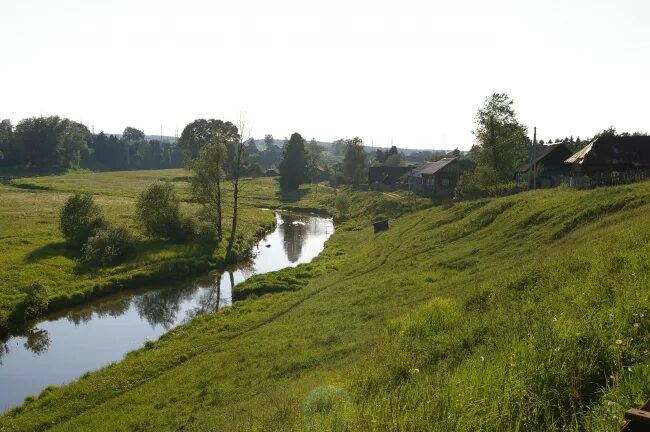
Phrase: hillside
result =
(528, 312)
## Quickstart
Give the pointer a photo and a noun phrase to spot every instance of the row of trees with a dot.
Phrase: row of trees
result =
(302, 160)
(49, 144)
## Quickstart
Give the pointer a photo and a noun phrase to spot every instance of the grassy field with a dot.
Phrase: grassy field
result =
(528, 312)
(33, 250)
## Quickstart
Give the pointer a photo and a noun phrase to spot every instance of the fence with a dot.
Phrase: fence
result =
(607, 179)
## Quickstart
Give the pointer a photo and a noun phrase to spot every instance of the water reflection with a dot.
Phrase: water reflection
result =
(71, 342)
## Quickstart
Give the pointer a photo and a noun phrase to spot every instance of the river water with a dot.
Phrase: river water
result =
(65, 345)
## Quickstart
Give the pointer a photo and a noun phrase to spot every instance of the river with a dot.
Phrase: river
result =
(65, 345)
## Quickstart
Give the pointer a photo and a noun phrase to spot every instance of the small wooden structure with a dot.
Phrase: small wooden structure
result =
(638, 420)
(437, 178)
(381, 226)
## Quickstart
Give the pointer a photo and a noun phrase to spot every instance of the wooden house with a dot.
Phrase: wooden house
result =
(436, 178)
(381, 177)
(612, 154)
(549, 164)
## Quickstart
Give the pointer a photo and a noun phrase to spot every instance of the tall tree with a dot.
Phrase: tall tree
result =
(132, 134)
(202, 132)
(313, 158)
(355, 161)
(6, 141)
(501, 139)
(240, 154)
(292, 167)
(206, 181)
(268, 140)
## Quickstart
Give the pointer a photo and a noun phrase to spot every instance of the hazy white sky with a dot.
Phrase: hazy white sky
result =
(413, 71)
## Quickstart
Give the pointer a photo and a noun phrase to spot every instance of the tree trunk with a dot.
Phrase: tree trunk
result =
(233, 230)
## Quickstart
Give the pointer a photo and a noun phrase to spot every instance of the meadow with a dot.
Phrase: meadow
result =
(528, 312)
(32, 249)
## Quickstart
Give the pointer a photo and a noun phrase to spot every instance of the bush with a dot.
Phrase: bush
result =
(36, 301)
(80, 218)
(342, 203)
(109, 246)
(158, 210)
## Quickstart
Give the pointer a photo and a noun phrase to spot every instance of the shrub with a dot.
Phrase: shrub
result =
(80, 218)
(342, 203)
(36, 301)
(109, 246)
(158, 210)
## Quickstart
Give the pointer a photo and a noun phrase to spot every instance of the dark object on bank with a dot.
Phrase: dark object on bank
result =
(638, 420)
(381, 226)
(268, 245)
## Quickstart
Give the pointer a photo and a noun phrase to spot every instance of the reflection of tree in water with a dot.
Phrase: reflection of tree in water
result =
(38, 341)
(294, 230)
(4, 349)
(162, 306)
(212, 300)
(113, 308)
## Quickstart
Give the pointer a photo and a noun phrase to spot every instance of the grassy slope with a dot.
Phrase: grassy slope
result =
(32, 248)
(491, 315)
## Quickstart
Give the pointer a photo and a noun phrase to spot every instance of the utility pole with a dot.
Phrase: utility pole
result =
(534, 157)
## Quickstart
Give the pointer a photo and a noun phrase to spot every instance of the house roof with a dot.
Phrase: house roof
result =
(430, 168)
(545, 152)
(631, 151)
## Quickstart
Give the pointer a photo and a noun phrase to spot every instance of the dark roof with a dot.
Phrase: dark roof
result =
(616, 151)
(430, 168)
(544, 153)
(387, 174)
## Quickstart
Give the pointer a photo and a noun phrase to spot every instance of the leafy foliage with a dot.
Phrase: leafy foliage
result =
(355, 161)
(108, 246)
(293, 166)
(158, 210)
(36, 301)
(79, 218)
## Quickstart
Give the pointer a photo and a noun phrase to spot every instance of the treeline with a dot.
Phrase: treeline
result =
(54, 144)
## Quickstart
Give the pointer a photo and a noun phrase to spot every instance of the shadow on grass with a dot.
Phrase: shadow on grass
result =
(292, 195)
(51, 250)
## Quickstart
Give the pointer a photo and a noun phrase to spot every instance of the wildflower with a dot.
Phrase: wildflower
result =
(618, 341)
(641, 315)
(557, 349)
(482, 358)
(636, 325)
(415, 371)
(554, 319)
(629, 368)
(610, 403)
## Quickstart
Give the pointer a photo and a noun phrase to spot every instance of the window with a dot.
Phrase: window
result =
(445, 182)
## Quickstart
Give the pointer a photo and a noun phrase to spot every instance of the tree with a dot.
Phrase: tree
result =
(269, 141)
(79, 218)
(239, 156)
(51, 143)
(338, 147)
(501, 139)
(6, 141)
(133, 135)
(158, 210)
(292, 167)
(208, 169)
(355, 161)
(313, 158)
(202, 132)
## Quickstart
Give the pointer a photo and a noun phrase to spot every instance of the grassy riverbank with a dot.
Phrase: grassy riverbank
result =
(33, 249)
(527, 312)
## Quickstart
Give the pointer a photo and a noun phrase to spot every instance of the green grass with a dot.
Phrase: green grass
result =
(528, 312)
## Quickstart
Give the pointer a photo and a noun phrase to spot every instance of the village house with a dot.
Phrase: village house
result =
(436, 178)
(549, 164)
(612, 154)
(386, 177)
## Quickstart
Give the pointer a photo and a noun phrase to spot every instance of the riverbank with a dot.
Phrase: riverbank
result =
(34, 251)
(103, 331)
(447, 305)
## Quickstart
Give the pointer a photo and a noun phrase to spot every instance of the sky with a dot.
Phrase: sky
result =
(412, 73)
